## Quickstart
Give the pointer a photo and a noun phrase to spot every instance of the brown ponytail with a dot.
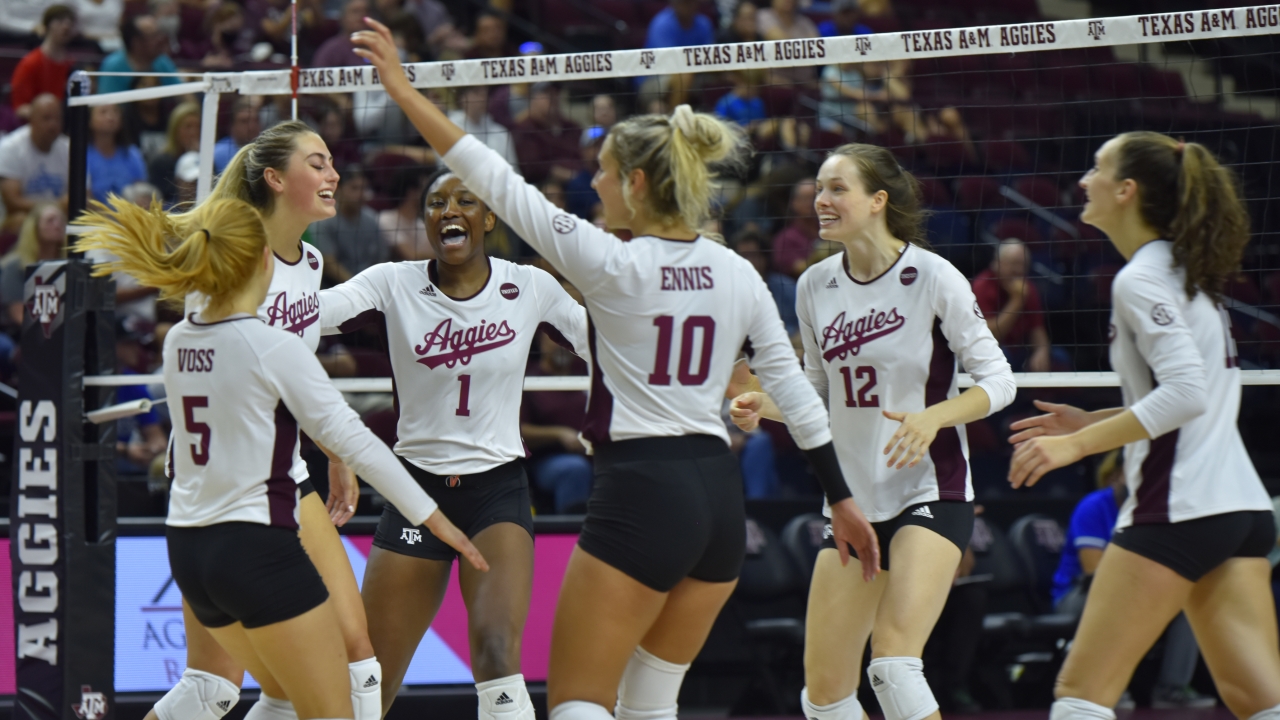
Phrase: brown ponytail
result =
(1193, 201)
(215, 249)
(879, 170)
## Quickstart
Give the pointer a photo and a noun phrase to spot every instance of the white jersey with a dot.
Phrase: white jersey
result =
(458, 362)
(891, 344)
(239, 392)
(1180, 377)
(292, 304)
(667, 318)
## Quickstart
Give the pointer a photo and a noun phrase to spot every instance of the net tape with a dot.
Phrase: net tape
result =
(979, 40)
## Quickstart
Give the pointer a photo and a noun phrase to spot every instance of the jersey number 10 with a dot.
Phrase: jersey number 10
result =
(685, 372)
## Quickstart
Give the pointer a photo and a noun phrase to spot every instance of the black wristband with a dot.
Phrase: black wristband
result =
(827, 467)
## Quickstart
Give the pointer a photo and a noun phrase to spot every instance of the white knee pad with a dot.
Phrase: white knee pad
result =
(269, 708)
(366, 689)
(198, 696)
(1268, 714)
(578, 710)
(1077, 709)
(649, 688)
(846, 709)
(504, 698)
(901, 688)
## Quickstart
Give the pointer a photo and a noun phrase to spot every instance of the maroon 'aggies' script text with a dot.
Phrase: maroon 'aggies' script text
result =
(687, 278)
(462, 344)
(195, 360)
(297, 316)
(852, 335)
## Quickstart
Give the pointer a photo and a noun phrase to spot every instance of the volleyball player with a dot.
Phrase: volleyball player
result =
(243, 390)
(459, 329)
(1195, 531)
(287, 174)
(883, 324)
(669, 311)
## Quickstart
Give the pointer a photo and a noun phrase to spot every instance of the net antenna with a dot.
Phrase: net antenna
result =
(293, 57)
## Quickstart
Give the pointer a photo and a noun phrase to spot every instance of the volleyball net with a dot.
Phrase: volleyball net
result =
(998, 122)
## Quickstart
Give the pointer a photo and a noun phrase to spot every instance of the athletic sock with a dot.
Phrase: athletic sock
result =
(649, 688)
(506, 698)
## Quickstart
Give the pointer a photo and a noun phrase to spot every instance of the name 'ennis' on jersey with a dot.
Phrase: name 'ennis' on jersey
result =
(892, 344)
(458, 363)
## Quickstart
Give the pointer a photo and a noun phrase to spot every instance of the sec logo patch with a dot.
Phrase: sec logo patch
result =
(978, 311)
(1162, 314)
(564, 224)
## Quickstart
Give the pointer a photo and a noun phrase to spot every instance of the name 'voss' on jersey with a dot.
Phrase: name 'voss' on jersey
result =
(892, 344)
(463, 358)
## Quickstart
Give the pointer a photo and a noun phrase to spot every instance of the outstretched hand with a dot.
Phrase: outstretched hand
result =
(1060, 420)
(912, 439)
(1039, 455)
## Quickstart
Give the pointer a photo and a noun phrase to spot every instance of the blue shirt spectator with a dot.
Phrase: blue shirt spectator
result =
(828, 28)
(245, 126)
(844, 21)
(743, 111)
(143, 51)
(1091, 526)
(679, 25)
(113, 174)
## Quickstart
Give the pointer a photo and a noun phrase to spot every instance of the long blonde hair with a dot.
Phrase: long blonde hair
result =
(678, 155)
(28, 245)
(215, 249)
(176, 118)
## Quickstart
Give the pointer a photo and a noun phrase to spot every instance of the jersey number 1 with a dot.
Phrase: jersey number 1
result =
(199, 451)
(687, 375)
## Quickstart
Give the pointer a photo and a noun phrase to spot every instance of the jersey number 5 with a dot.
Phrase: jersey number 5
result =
(864, 398)
(199, 451)
(685, 371)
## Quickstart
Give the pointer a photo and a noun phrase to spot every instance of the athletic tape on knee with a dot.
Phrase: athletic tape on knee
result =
(1268, 714)
(578, 710)
(269, 708)
(901, 688)
(366, 689)
(506, 698)
(1077, 709)
(649, 688)
(198, 696)
(846, 709)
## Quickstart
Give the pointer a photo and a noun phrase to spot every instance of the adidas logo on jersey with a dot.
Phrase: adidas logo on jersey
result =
(503, 699)
(876, 681)
(225, 705)
(428, 291)
(371, 682)
(833, 284)
(923, 511)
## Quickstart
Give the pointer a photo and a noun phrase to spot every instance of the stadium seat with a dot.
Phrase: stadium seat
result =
(769, 604)
(1004, 157)
(979, 193)
(935, 192)
(1037, 542)
(802, 538)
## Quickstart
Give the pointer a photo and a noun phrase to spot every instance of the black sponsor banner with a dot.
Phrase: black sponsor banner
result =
(62, 499)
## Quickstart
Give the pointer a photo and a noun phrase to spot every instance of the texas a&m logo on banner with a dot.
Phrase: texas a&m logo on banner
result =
(43, 295)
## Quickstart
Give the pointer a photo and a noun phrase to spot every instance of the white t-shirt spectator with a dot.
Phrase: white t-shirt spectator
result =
(43, 175)
(99, 20)
(489, 132)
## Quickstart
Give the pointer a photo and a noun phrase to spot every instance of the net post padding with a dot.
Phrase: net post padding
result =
(62, 524)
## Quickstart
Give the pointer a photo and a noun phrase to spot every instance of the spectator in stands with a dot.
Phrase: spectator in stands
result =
(183, 136)
(490, 39)
(186, 175)
(794, 243)
(444, 40)
(742, 104)
(133, 299)
(140, 439)
(1011, 304)
(43, 237)
(546, 142)
(878, 15)
(509, 104)
(46, 68)
(402, 227)
(473, 116)
(744, 27)
(782, 21)
(580, 197)
(275, 23)
(844, 20)
(351, 240)
(33, 162)
(144, 49)
(408, 37)
(604, 111)
(100, 21)
(168, 15)
(111, 162)
(750, 243)
(331, 124)
(550, 423)
(846, 100)
(678, 25)
(1092, 524)
(222, 27)
(245, 126)
(337, 51)
(144, 122)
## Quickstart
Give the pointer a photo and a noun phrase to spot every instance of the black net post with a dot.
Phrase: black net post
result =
(78, 133)
(62, 499)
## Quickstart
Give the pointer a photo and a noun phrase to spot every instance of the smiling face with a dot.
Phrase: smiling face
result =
(844, 208)
(309, 182)
(1105, 194)
(456, 221)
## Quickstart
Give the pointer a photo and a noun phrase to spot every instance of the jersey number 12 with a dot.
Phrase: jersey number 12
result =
(685, 372)
(864, 398)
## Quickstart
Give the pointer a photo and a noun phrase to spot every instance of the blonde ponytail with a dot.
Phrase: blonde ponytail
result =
(215, 249)
(679, 157)
(243, 177)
